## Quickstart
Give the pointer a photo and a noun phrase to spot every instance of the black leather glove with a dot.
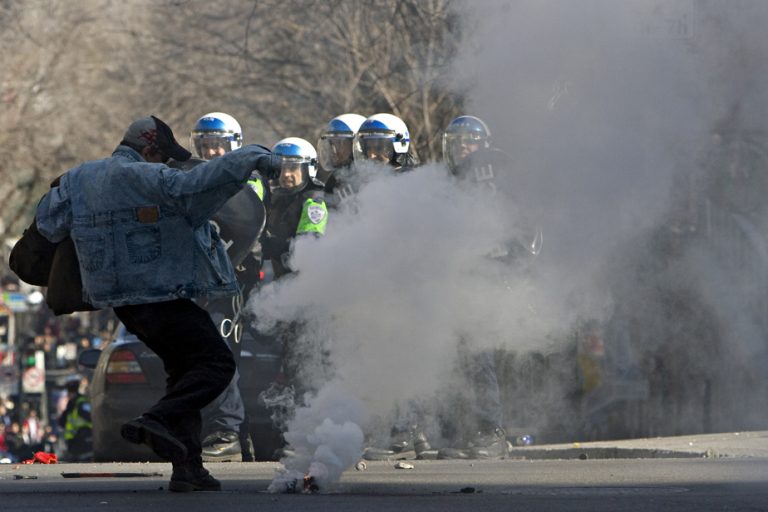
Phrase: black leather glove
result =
(269, 166)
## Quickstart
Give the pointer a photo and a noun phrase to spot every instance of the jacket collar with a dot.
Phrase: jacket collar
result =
(127, 152)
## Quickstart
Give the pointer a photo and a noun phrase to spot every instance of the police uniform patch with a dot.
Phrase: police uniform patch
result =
(316, 213)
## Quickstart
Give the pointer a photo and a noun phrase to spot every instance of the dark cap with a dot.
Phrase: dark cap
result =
(151, 131)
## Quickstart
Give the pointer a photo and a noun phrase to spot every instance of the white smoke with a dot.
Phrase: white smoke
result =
(615, 108)
(606, 106)
(598, 102)
(326, 439)
(392, 286)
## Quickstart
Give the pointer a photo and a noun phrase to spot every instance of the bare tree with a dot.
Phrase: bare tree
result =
(78, 72)
(66, 96)
(285, 68)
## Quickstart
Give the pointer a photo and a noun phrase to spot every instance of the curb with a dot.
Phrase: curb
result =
(604, 453)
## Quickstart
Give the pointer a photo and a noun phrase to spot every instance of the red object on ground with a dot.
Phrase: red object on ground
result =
(42, 458)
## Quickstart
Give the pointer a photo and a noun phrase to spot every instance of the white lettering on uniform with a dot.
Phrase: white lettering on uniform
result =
(345, 192)
(484, 175)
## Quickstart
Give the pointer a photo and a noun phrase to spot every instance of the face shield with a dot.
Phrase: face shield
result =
(458, 146)
(374, 146)
(208, 146)
(334, 151)
(294, 175)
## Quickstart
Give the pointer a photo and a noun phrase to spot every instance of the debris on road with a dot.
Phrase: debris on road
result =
(403, 465)
(108, 475)
(42, 458)
(361, 466)
(24, 477)
(310, 484)
(524, 440)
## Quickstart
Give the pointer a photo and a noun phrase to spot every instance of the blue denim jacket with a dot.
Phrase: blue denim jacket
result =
(141, 229)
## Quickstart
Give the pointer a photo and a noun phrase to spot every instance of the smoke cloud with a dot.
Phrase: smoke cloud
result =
(398, 279)
(642, 124)
(326, 438)
(606, 109)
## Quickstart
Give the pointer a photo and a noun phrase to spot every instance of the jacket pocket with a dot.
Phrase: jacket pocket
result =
(91, 252)
(143, 244)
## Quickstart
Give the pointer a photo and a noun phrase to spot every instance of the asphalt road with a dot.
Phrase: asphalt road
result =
(648, 485)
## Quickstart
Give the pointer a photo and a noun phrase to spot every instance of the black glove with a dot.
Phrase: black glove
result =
(269, 166)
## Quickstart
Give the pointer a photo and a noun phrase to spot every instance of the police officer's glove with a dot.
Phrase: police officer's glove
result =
(249, 273)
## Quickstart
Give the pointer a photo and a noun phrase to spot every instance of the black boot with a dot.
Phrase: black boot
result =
(153, 433)
(484, 444)
(410, 444)
(191, 476)
(489, 445)
(424, 450)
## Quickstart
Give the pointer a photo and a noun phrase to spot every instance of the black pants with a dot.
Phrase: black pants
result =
(197, 361)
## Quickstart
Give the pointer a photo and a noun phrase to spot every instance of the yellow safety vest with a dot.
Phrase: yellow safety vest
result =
(74, 421)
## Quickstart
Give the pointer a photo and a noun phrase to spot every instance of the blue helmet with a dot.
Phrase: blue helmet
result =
(382, 137)
(214, 134)
(463, 136)
(334, 148)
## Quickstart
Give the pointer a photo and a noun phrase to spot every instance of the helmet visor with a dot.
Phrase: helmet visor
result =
(334, 151)
(208, 146)
(462, 145)
(374, 146)
(294, 175)
(458, 146)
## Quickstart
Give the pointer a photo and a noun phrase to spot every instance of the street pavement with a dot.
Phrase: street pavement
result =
(705, 473)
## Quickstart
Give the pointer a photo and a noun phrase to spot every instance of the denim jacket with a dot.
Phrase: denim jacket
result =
(141, 229)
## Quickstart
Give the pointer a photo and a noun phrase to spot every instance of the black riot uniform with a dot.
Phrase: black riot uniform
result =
(493, 171)
(289, 215)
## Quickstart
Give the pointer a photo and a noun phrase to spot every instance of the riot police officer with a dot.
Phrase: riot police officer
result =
(385, 139)
(469, 156)
(224, 431)
(295, 208)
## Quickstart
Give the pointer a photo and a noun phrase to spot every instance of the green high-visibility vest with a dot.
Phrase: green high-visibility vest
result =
(314, 217)
(75, 422)
(257, 187)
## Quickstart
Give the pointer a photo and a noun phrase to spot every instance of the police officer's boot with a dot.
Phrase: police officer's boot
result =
(422, 447)
(406, 444)
(489, 445)
(222, 446)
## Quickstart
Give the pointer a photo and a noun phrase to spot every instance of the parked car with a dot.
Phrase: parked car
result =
(129, 377)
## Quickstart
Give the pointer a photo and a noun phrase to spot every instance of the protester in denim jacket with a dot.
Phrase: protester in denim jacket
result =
(146, 248)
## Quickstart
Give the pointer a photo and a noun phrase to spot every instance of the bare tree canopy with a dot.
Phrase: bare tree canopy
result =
(77, 73)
